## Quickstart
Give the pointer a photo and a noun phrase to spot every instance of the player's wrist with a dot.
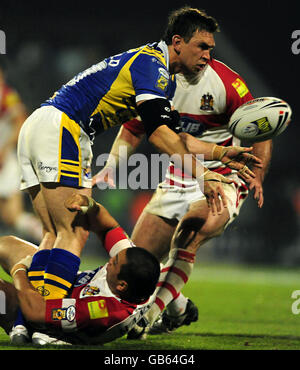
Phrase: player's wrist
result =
(218, 152)
(16, 268)
(90, 207)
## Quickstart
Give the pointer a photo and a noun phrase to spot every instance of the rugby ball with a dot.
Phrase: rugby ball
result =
(260, 119)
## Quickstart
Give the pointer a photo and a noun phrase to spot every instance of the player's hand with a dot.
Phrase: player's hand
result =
(214, 192)
(77, 202)
(255, 184)
(106, 175)
(239, 158)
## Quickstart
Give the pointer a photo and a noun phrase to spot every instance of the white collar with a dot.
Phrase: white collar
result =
(164, 48)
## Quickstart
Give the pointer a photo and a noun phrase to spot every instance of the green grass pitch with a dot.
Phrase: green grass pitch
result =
(240, 308)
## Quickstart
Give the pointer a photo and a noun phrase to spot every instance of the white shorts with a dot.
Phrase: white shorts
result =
(54, 148)
(173, 202)
(9, 176)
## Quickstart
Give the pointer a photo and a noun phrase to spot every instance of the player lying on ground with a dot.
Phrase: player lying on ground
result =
(89, 307)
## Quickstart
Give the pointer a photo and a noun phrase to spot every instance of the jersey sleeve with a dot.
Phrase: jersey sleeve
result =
(135, 126)
(150, 78)
(237, 91)
(90, 314)
(116, 240)
(237, 94)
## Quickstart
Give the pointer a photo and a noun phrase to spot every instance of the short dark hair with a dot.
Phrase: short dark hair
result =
(185, 21)
(141, 272)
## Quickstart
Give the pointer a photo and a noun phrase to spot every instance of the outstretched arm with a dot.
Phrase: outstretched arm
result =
(234, 157)
(100, 220)
(31, 302)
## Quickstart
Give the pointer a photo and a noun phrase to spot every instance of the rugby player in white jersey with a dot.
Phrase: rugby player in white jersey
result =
(205, 102)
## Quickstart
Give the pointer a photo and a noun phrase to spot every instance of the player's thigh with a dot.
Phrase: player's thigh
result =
(12, 250)
(54, 197)
(154, 233)
(40, 208)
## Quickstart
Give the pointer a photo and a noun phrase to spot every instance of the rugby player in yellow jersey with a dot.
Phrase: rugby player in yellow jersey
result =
(54, 147)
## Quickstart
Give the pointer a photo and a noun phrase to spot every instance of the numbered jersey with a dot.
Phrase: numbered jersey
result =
(106, 94)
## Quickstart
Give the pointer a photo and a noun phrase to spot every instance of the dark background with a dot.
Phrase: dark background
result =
(49, 42)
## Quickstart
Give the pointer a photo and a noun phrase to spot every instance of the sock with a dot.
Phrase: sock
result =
(36, 277)
(60, 273)
(28, 225)
(37, 269)
(172, 279)
(177, 306)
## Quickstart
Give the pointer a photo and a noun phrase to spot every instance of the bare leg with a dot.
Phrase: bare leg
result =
(154, 233)
(62, 228)
(12, 250)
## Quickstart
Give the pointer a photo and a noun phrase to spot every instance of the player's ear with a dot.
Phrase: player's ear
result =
(176, 43)
(122, 286)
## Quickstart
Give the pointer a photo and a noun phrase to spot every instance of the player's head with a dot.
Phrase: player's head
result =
(189, 34)
(133, 274)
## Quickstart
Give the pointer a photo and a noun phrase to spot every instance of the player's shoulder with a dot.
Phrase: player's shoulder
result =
(225, 72)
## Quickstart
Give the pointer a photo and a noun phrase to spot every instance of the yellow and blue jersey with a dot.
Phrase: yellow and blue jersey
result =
(106, 94)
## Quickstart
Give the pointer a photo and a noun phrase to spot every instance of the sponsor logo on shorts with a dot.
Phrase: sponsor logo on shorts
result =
(47, 169)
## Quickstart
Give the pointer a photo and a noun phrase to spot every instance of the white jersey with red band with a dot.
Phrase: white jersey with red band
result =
(92, 314)
(205, 109)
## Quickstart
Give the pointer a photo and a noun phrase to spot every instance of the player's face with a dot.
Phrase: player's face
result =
(195, 54)
(113, 268)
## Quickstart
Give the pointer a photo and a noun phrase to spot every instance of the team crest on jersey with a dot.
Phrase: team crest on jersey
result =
(163, 79)
(207, 102)
(89, 291)
(67, 313)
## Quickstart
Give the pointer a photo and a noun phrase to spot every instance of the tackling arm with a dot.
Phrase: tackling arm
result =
(31, 302)
(100, 220)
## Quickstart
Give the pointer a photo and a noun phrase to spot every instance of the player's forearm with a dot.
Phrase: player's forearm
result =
(167, 141)
(263, 150)
(31, 302)
(196, 146)
(100, 220)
